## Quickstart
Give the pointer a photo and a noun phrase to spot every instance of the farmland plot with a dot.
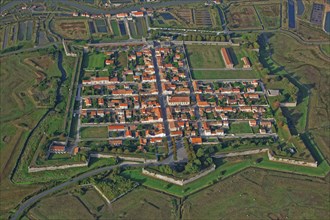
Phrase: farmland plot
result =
(141, 26)
(115, 28)
(72, 29)
(122, 28)
(202, 17)
(186, 15)
(242, 17)
(101, 26)
(21, 31)
(29, 30)
(132, 29)
(91, 27)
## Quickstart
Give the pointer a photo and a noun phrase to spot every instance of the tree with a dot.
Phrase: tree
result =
(191, 168)
(197, 162)
(200, 152)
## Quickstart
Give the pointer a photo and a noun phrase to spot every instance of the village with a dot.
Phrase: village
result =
(152, 101)
(164, 109)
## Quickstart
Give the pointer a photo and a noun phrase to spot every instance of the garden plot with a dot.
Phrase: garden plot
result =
(202, 17)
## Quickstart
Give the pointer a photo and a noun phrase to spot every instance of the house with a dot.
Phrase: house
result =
(128, 133)
(245, 108)
(223, 116)
(225, 123)
(273, 92)
(116, 128)
(220, 132)
(88, 102)
(123, 92)
(75, 150)
(176, 133)
(178, 100)
(253, 123)
(57, 149)
(137, 14)
(122, 15)
(266, 124)
(100, 113)
(226, 58)
(100, 80)
(93, 113)
(156, 140)
(250, 90)
(83, 112)
(100, 101)
(116, 142)
(246, 62)
(109, 62)
(123, 106)
(196, 140)
(207, 132)
(253, 96)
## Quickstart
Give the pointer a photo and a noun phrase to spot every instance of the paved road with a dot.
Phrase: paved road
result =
(30, 49)
(92, 10)
(223, 69)
(162, 102)
(37, 197)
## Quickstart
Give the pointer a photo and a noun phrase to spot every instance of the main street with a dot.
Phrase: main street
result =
(162, 103)
(92, 10)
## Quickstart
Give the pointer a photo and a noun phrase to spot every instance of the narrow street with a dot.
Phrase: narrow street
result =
(163, 104)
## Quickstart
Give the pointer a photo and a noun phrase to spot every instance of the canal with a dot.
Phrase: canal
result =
(300, 7)
(291, 14)
(327, 23)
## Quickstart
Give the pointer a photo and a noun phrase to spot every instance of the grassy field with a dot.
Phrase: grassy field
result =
(240, 128)
(326, 49)
(67, 207)
(94, 132)
(270, 15)
(251, 194)
(94, 61)
(205, 56)
(122, 59)
(20, 92)
(260, 194)
(142, 203)
(223, 74)
(308, 65)
(310, 32)
(224, 169)
(19, 115)
(201, 56)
